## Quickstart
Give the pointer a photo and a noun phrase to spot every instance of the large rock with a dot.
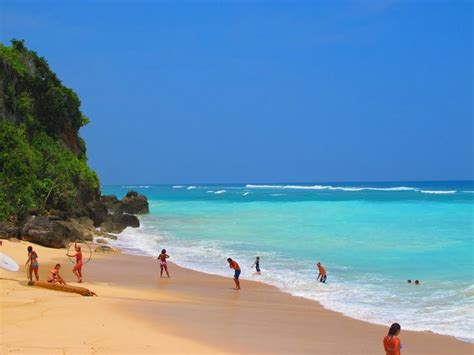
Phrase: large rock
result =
(105, 249)
(8, 231)
(134, 203)
(45, 231)
(113, 204)
(116, 223)
(54, 233)
(97, 212)
(81, 229)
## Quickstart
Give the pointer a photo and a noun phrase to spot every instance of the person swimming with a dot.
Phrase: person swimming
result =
(417, 282)
(391, 342)
(256, 264)
(234, 265)
(77, 269)
(34, 265)
(163, 264)
(322, 276)
(54, 276)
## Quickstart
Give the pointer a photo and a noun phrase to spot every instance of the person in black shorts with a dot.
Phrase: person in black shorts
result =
(257, 265)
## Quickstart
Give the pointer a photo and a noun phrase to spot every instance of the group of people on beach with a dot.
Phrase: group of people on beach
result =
(54, 277)
(391, 342)
(322, 276)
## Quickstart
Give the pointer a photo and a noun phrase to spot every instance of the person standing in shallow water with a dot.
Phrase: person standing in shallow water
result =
(391, 342)
(163, 264)
(256, 264)
(322, 273)
(234, 265)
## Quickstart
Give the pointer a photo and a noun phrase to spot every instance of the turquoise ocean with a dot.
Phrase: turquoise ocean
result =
(371, 237)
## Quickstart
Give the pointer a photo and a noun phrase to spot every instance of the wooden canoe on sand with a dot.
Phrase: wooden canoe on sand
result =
(64, 288)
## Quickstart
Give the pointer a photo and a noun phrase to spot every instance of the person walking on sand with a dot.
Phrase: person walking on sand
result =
(391, 342)
(234, 265)
(163, 264)
(322, 273)
(34, 265)
(77, 269)
(54, 276)
(256, 264)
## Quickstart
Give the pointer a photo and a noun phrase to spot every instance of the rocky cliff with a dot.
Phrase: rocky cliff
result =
(48, 194)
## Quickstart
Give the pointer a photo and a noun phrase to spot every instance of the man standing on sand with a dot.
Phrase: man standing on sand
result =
(234, 265)
(322, 273)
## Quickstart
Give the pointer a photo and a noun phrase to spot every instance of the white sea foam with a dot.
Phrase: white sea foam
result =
(277, 195)
(178, 187)
(469, 192)
(329, 187)
(219, 192)
(438, 192)
(245, 193)
(431, 307)
(210, 191)
(190, 187)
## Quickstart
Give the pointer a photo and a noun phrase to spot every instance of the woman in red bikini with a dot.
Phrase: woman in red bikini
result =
(54, 276)
(391, 342)
(77, 269)
(163, 264)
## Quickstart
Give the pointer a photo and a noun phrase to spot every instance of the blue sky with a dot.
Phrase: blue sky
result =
(261, 91)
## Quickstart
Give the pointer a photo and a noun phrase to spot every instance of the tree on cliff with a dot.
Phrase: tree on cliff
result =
(43, 163)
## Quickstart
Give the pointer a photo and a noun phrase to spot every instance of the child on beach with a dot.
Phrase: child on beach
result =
(256, 264)
(322, 273)
(54, 276)
(77, 269)
(234, 265)
(34, 265)
(163, 264)
(391, 342)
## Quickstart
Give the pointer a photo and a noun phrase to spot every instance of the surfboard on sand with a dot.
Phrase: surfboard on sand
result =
(8, 263)
(64, 288)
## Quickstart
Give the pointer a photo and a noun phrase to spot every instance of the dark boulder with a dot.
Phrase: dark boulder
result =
(8, 231)
(54, 233)
(113, 204)
(79, 229)
(97, 212)
(116, 223)
(45, 231)
(134, 203)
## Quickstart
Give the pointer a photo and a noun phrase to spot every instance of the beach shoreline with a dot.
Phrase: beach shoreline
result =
(192, 312)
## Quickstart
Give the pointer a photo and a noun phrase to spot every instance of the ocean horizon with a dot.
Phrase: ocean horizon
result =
(371, 236)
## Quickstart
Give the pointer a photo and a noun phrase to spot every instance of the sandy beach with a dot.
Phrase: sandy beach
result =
(137, 312)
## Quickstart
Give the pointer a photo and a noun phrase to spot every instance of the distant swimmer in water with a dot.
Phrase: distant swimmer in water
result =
(234, 265)
(163, 264)
(54, 276)
(391, 342)
(417, 282)
(256, 264)
(409, 281)
(77, 269)
(34, 265)
(322, 273)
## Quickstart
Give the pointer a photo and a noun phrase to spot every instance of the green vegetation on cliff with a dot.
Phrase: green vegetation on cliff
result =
(43, 163)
